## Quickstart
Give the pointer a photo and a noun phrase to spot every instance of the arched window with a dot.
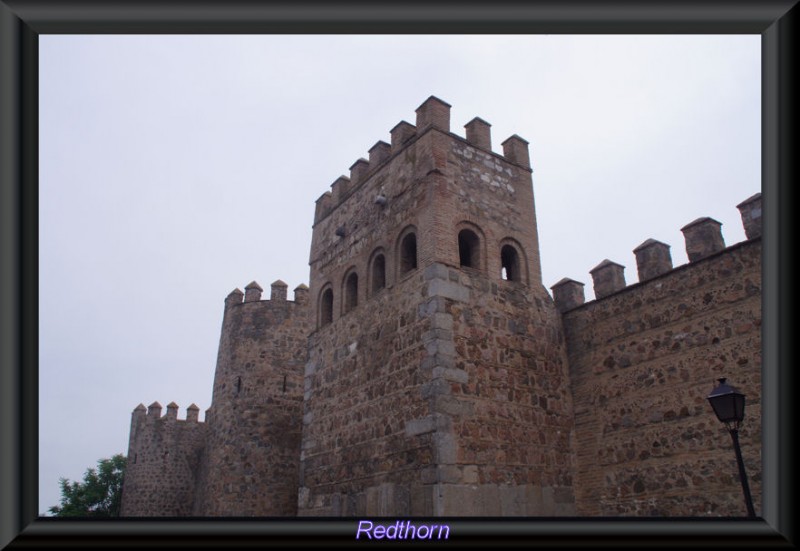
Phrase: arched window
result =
(408, 253)
(509, 259)
(326, 307)
(378, 274)
(350, 292)
(469, 249)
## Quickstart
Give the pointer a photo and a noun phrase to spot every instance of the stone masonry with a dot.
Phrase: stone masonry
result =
(428, 372)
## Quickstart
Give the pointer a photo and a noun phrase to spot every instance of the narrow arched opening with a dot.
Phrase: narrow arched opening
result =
(469, 249)
(408, 253)
(326, 308)
(378, 274)
(350, 292)
(509, 260)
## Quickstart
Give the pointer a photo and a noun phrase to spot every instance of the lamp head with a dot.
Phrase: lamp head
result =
(727, 403)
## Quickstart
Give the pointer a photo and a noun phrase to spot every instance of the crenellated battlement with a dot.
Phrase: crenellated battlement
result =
(432, 114)
(278, 295)
(163, 460)
(153, 413)
(703, 238)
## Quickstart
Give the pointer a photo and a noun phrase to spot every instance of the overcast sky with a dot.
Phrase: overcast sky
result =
(174, 169)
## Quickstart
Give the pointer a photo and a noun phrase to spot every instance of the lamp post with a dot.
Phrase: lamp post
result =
(728, 405)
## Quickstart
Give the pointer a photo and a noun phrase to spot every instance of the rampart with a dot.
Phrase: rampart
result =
(163, 461)
(643, 358)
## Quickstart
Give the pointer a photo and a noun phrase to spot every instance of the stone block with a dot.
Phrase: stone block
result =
(455, 375)
(415, 427)
(448, 289)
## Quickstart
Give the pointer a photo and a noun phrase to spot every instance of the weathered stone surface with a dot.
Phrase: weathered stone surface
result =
(703, 238)
(426, 371)
(163, 464)
(652, 259)
(642, 363)
(750, 210)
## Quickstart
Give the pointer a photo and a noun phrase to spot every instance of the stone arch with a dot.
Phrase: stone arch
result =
(471, 246)
(325, 305)
(407, 259)
(377, 271)
(349, 291)
(513, 263)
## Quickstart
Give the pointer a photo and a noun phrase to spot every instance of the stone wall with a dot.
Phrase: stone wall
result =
(643, 360)
(250, 465)
(502, 397)
(363, 386)
(163, 462)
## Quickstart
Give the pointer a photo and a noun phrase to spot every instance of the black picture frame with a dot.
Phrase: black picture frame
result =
(21, 23)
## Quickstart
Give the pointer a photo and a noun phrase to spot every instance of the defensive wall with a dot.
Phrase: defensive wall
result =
(643, 358)
(428, 372)
(163, 461)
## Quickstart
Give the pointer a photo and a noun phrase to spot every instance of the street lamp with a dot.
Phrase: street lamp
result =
(728, 405)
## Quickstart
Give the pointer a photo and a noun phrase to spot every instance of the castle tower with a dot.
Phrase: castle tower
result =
(437, 381)
(163, 462)
(251, 462)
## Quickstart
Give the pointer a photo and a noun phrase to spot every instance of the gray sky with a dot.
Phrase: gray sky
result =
(176, 168)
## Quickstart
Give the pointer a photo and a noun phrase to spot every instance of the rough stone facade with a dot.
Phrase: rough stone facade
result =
(164, 456)
(428, 372)
(642, 362)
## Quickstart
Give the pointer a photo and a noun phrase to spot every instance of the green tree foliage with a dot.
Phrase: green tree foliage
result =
(99, 495)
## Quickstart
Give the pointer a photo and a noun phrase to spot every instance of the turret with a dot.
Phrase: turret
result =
(254, 421)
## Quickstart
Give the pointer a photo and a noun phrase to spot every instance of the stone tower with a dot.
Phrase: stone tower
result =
(437, 381)
(253, 444)
(164, 455)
